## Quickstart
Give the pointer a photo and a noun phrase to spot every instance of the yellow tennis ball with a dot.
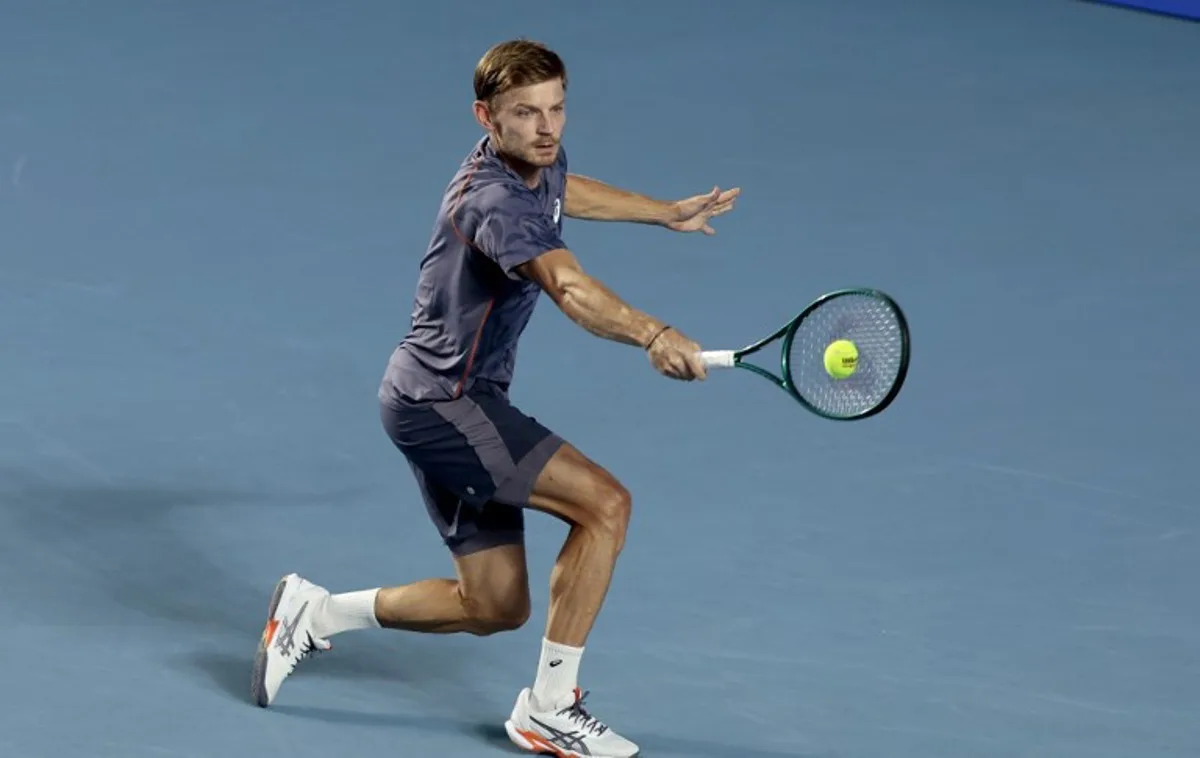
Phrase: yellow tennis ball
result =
(841, 359)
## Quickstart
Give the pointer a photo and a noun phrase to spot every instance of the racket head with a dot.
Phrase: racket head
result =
(879, 329)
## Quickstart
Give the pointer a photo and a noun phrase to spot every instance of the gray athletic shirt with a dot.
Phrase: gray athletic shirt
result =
(471, 306)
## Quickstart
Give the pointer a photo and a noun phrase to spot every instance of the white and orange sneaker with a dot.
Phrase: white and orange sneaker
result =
(566, 732)
(288, 636)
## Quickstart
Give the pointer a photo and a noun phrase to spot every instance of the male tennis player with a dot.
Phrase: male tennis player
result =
(479, 461)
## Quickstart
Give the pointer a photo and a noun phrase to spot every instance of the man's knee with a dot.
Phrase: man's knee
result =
(613, 507)
(494, 615)
(606, 505)
(583, 493)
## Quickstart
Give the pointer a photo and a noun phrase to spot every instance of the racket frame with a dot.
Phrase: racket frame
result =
(787, 332)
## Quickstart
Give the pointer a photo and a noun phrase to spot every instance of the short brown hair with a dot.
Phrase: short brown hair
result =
(516, 63)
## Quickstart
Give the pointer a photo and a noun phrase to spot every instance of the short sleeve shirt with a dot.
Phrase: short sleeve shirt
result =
(471, 305)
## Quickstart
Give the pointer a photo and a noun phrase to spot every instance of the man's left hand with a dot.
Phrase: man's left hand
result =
(693, 214)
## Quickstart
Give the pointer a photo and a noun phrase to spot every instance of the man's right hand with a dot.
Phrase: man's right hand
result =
(674, 355)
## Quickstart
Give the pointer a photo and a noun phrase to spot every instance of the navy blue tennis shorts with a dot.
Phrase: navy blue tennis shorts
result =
(476, 460)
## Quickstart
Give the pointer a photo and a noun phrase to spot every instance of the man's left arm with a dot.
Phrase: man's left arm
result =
(593, 200)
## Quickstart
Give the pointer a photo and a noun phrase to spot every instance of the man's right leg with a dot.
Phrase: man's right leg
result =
(462, 453)
(489, 595)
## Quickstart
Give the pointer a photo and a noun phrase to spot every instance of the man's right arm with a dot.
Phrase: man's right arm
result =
(588, 302)
(593, 306)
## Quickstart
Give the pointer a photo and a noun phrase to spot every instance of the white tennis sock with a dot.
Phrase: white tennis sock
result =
(345, 612)
(557, 676)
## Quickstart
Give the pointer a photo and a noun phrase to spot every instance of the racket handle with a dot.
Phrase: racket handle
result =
(718, 358)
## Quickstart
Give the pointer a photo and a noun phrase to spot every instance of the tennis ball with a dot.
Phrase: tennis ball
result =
(841, 358)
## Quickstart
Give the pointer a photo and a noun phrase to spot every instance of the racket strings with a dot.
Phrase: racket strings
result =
(876, 330)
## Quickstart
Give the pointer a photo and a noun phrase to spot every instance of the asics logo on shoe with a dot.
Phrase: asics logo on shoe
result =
(285, 638)
(566, 740)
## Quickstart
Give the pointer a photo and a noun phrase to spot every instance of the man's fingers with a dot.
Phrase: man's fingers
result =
(717, 196)
(680, 362)
(709, 200)
(719, 207)
(670, 367)
(688, 365)
(681, 367)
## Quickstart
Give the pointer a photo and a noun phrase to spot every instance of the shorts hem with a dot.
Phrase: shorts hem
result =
(477, 543)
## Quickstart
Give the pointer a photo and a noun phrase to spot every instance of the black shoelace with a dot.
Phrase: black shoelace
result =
(579, 715)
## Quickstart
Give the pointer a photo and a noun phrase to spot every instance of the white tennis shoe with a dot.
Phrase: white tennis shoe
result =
(565, 732)
(287, 637)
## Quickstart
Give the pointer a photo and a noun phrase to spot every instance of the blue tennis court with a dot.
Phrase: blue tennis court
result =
(210, 220)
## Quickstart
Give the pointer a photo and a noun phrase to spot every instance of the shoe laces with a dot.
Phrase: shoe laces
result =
(579, 715)
(308, 649)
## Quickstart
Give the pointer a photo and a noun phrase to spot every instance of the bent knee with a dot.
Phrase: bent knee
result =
(612, 509)
(492, 617)
(584, 494)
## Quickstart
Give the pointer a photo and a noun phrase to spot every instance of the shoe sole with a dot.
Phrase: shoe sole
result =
(526, 741)
(258, 680)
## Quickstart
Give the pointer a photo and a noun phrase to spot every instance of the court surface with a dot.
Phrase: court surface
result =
(210, 219)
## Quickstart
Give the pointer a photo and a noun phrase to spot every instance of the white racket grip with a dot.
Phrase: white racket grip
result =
(717, 358)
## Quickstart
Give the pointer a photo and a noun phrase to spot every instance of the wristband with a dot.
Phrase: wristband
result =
(657, 335)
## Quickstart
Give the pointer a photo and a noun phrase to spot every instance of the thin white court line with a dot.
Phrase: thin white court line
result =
(1086, 486)
(100, 289)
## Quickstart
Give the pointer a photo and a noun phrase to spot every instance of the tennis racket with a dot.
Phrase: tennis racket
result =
(866, 375)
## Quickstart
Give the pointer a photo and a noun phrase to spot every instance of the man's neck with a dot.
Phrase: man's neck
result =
(531, 175)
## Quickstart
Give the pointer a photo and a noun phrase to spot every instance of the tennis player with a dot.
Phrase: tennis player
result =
(478, 460)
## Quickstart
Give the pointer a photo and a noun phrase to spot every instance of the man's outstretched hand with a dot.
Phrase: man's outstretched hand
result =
(694, 213)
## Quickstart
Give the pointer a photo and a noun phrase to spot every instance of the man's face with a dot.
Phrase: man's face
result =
(527, 123)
